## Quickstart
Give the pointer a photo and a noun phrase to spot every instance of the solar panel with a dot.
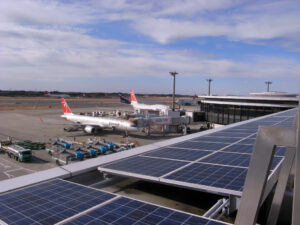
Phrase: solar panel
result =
(59, 201)
(194, 144)
(231, 159)
(128, 211)
(228, 140)
(181, 154)
(280, 150)
(48, 203)
(234, 159)
(221, 171)
(147, 166)
(239, 148)
(225, 177)
(230, 134)
(248, 141)
(248, 148)
(289, 123)
(288, 113)
(241, 129)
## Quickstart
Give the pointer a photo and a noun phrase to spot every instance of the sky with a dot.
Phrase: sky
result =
(119, 45)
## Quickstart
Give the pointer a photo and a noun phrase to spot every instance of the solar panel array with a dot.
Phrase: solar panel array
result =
(216, 162)
(48, 203)
(128, 211)
(60, 201)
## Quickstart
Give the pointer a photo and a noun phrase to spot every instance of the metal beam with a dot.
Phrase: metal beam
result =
(260, 164)
(296, 199)
(281, 186)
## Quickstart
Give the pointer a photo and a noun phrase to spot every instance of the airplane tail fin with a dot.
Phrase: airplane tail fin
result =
(46, 93)
(65, 106)
(132, 97)
(123, 99)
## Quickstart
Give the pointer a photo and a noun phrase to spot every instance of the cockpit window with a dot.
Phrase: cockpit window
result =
(132, 125)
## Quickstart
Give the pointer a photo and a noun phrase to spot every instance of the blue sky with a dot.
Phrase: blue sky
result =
(118, 45)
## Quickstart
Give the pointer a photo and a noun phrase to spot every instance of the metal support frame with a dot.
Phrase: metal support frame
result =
(281, 186)
(257, 177)
(267, 140)
(234, 202)
(220, 208)
(296, 198)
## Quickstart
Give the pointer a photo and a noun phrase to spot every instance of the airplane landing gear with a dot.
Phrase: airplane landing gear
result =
(125, 134)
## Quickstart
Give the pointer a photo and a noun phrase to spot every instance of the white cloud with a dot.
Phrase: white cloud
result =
(41, 40)
(45, 12)
(169, 20)
(238, 26)
(30, 53)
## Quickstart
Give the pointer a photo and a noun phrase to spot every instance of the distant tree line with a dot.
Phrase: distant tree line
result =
(11, 93)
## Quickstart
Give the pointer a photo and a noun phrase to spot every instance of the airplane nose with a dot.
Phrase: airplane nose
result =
(133, 128)
(130, 128)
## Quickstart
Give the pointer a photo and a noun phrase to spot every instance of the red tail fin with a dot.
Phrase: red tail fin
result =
(132, 97)
(65, 106)
(46, 93)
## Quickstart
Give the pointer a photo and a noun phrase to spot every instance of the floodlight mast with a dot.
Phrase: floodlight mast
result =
(268, 83)
(173, 74)
(209, 80)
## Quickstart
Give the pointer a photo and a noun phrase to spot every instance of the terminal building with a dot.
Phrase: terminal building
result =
(231, 109)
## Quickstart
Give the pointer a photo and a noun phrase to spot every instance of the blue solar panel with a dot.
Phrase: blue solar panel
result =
(230, 134)
(226, 177)
(228, 140)
(248, 141)
(280, 151)
(181, 154)
(231, 152)
(194, 144)
(146, 165)
(234, 159)
(48, 203)
(247, 149)
(290, 113)
(239, 148)
(128, 211)
(242, 130)
(285, 124)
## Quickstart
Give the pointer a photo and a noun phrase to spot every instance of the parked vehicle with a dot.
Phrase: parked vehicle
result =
(17, 152)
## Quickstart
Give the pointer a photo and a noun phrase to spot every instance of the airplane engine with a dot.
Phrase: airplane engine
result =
(89, 129)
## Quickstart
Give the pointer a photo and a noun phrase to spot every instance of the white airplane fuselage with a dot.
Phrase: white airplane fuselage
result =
(118, 124)
(141, 106)
(157, 107)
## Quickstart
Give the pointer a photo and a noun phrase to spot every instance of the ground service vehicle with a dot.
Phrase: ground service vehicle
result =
(17, 152)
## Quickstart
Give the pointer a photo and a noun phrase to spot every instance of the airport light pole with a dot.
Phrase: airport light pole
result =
(173, 74)
(268, 83)
(209, 81)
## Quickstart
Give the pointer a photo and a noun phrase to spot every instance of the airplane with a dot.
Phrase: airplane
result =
(187, 101)
(47, 94)
(141, 106)
(124, 100)
(92, 124)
